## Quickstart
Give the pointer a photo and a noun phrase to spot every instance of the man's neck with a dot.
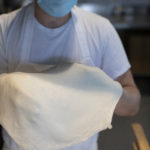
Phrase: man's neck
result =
(49, 21)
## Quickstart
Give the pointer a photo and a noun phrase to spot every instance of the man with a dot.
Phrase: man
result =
(51, 31)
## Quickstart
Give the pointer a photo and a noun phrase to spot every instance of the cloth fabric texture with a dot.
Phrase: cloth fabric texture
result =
(90, 41)
(63, 106)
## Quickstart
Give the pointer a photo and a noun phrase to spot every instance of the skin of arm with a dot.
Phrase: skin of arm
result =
(129, 102)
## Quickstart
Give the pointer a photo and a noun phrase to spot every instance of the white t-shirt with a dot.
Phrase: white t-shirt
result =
(50, 46)
(54, 45)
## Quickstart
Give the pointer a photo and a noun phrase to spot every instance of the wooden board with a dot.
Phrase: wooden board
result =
(140, 137)
(134, 146)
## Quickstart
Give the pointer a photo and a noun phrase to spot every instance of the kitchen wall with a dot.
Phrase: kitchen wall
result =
(119, 1)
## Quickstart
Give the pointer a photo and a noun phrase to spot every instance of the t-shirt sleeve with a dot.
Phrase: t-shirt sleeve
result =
(114, 59)
(3, 60)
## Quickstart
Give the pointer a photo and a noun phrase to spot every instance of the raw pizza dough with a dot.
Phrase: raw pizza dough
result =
(58, 106)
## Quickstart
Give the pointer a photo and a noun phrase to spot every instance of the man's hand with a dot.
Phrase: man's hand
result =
(129, 103)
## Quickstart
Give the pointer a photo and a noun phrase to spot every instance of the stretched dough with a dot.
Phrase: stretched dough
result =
(57, 108)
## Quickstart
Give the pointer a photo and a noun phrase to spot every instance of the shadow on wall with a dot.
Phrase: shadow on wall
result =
(1, 140)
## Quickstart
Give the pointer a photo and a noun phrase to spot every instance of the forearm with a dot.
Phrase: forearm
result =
(129, 102)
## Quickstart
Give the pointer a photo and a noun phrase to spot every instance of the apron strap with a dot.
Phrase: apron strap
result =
(79, 25)
(18, 43)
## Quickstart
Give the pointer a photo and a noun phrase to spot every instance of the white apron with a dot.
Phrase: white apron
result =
(24, 25)
(24, 21)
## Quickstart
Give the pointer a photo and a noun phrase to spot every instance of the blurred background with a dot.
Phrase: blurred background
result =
(131, 18)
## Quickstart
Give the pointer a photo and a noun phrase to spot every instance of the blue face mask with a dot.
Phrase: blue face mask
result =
(57, 8)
